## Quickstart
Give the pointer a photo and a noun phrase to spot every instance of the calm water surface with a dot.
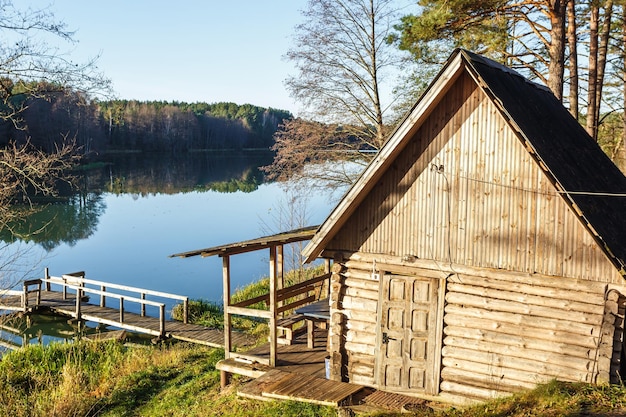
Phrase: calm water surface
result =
(126, 236)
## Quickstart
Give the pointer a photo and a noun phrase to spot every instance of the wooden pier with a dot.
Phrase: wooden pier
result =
(70, 295)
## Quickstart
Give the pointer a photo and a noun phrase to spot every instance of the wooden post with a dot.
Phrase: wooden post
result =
(186, 310)
(39, 293)
(162, 320)
(327, 266)
(226, 296)
(103, 299)
(25, 299)
(79, 295)
(47, 276)
(121, 309)
(224, 379)
(280, 278)
(272, 306)
(143, 306)
(64, 288)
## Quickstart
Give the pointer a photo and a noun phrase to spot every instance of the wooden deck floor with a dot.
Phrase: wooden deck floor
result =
(290, 358)
(299, 374)
(53, 301)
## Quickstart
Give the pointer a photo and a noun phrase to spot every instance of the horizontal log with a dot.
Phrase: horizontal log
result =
(545, 289)
(359, 275)
(358, 347)
(521, 319)
(469, 378)
(396, 269)
(359, 304)
(361, 379)
(366, 360)
(361, 337)
(382, 261)
(522, 308)
(361, 293)
(522, 339)
(529, 299)
(362, 325)
(361, 369)
(457, 318)
(555, 358)
(472, 392)
(506, 361)
(488, 370)
(362, 283)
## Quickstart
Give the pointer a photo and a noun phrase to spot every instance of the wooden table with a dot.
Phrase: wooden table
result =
(317, 312)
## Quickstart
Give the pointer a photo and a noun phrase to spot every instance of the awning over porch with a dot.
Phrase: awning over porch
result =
(283, 238)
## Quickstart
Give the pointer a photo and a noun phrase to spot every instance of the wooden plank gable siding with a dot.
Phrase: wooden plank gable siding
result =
(465, 190)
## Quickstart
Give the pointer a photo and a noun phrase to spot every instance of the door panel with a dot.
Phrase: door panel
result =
(408, 310)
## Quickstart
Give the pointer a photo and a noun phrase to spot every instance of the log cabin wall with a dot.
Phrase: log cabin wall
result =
(507, 332)
(500, 331)
(353, 338)
(465, 190)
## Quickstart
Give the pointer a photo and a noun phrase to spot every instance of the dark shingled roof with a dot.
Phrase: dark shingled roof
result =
(577, 164)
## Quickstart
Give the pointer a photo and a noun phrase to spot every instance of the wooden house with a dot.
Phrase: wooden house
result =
(483, 250)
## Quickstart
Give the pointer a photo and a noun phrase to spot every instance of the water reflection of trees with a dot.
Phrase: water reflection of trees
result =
(146, 174)
(75, 215)
(55, 223)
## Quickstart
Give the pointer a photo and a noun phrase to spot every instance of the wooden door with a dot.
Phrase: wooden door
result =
(408, 331)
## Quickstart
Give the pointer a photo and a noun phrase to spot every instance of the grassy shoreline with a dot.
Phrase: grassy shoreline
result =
(108, 378)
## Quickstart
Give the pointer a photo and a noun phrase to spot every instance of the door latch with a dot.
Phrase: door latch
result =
(386, 338)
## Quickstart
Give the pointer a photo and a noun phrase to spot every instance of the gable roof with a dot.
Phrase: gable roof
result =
(580, 171)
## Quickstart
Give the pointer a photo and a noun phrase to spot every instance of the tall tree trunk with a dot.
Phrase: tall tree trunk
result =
(593, 71)
(621, 156)
(556, 67)
(572, 42)
(603, 49)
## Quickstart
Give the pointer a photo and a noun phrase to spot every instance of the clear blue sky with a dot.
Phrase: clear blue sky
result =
(186, 50)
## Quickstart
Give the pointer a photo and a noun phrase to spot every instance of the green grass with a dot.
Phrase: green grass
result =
(108, 379)
(111, 380)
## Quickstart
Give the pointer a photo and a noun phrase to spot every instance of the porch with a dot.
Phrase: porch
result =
(277, 307)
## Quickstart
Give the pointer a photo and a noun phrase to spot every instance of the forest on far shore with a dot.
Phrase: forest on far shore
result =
(130, 125)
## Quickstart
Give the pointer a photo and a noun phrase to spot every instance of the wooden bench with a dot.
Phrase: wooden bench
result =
(285, 326)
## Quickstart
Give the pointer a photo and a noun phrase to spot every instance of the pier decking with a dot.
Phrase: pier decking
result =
(64, 302)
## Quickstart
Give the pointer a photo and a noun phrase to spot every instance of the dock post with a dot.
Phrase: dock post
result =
(121, 309)
(47, 276)
(38, 293)
(162, 320)
(79, 295)
(103, 298)
(186, 310)
(143, 306)
(25, 303)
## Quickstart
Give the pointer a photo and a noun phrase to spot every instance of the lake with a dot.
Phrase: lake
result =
(134, 212)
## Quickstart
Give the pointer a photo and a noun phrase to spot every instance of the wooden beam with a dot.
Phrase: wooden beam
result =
(226, 296)
(272, 320)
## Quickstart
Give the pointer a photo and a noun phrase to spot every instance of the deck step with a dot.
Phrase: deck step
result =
(277, 384)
